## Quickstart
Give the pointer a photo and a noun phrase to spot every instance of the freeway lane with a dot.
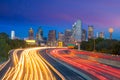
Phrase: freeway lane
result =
(8, 63)
(65, 71)
(28, 65)
(101, 71)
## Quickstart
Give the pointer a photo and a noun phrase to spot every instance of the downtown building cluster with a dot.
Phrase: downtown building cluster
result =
(70, 36)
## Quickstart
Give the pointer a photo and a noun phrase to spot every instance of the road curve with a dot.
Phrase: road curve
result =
(100, 71)
(66, 71)
(30, 66)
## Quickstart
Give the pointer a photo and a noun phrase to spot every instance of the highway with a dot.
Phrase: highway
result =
(68, 73)
(100, 71)
(54, 64)
(28, 65)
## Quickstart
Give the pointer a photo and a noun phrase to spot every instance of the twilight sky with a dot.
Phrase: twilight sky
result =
(20, 15)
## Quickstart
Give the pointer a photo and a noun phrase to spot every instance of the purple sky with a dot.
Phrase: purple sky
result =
(20, 15)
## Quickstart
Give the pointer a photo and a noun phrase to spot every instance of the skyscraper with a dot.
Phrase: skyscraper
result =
(101, 34)
(52, 37)
(90, 32)
(77, 31)
(12, 34)
(39, 36)
(67, 37)
(31, 34)
(60, 37)
(84, 35)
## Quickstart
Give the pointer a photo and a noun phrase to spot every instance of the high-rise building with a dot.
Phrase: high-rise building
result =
(67, 37)
(60, 37)
(84, 35)
(31, 34)
(101, 34)
(52, 37)
(12, 34)
(39, 36)
(90, 32)
(97, 34)
(77, 31)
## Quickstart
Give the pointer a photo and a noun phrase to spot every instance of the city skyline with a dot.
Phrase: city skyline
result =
(46, 32)
(59, 15)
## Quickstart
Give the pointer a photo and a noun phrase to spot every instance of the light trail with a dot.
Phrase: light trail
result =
(101, 71)
(30, 66)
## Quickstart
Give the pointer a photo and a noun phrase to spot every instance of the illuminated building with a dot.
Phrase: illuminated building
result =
(60, 37)
(12, 34)
(31, 34)
(90, 32)
(52, 37)
(30, 42)
(77, 32)
(67, 37)
(39, 36)
(101, 34)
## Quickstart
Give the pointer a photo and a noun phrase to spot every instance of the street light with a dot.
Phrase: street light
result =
(78, 43)
(94, 44)
(111, 31)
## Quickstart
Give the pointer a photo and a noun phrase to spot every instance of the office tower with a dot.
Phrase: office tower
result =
(101, 34)
(84, 35)
(67, 37)
(39, 36)
(90, 32)
(52, 37)
(77, 31)
(12, 34)
(60, 37)
(97, 35)
(31, 34)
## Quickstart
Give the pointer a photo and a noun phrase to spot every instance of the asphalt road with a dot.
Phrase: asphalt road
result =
(27, 64)
(8, 63)
(65, 71)
(93, 67)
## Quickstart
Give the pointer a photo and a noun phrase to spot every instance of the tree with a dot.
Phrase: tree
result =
(4, 48)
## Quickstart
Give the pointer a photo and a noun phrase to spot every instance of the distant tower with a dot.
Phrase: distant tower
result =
(60, 37)
(31, 34)
(52, 37)
(111, 31)
(90, 32)
(97, 35)
(67, 36)
(101, 34)
(40, 34)
(12, 34)
(77, 31)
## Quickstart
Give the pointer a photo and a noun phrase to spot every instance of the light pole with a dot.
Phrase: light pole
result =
(111, 31)
(78, 42)
(94, 44)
